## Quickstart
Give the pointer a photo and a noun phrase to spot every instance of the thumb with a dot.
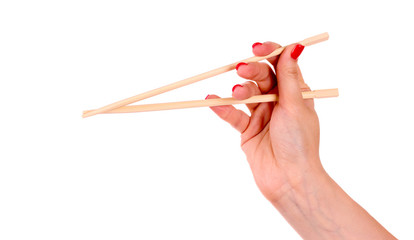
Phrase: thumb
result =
(288, 76)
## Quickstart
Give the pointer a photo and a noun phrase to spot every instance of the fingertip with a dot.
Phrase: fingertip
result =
(235, 87)
(246, 90)
(243, 69)
(240, 64)
(265, 48)
(217, 109)
(237, 91)
(256, 44)
(286, 59)
(240, 68)
(297, 51)
(259, 49)
(247, 70)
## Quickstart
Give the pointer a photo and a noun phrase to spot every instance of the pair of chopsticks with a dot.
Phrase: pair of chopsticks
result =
(121, 106)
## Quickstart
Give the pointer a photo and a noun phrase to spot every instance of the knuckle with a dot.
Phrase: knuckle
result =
(237, 124)
(226, 116)
(291, 71)
(250, 85)
(261, 74)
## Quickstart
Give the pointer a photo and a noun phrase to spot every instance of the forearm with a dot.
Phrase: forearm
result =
(317, 208)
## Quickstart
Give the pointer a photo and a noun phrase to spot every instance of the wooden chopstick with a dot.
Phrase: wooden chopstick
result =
(324, 93)
(307, 42)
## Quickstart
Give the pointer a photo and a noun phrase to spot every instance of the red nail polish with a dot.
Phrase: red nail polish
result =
(207, 97)
(297, 51)
(256, 44)
(235, 86)
(239, 64)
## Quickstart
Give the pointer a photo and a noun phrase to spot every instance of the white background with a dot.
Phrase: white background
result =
(181, 174)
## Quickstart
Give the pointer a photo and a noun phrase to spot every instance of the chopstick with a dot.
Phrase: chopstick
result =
(307, 42)
(324, 93)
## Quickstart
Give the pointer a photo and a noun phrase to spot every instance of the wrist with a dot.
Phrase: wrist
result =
(317, 208)
(302, 176)
(304, 184)
(303, 206)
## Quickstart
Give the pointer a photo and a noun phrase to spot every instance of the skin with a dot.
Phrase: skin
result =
(281, 143)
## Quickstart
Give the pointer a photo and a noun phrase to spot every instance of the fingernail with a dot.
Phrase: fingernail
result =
(240, 64)
(256, 44)
(235, 86)
(297, 51)
(207, 97)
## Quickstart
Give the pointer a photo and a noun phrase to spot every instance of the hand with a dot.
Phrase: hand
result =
(280, 140)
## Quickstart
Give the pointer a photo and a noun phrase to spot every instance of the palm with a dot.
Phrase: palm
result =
(275, 136)
(268, 148)
(257, 144)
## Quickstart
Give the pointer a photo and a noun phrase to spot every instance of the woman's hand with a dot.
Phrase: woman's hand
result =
(280, 140)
